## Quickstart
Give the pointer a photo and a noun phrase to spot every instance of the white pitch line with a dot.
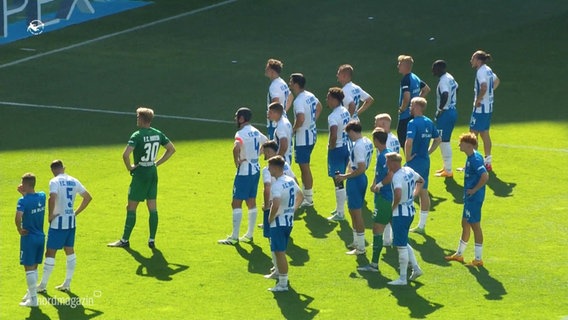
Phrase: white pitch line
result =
(42, 106)
(110, 35)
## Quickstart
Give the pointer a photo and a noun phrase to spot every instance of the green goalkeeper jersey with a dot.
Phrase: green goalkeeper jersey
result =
(146, 143)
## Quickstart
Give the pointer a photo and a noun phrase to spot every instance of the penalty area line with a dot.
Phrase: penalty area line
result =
(114, 34)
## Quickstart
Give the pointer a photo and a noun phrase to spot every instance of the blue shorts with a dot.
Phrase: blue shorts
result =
(446, 122)
(472, 211)
(480, 121)
(303, 153)
(422, 167)
(279, 237)
(265, 223)
(400, 227)
(337, 160)
(356, 188)
(245, 187)
(57, 239)
(31, 249)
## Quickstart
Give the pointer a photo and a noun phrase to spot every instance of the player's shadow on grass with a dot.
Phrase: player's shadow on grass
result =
(294, 305)
(453, 188)
(434, 201)
(156, 266)
(319, 226)
(367, 217)
(430, 251)
(259, 262)
(500, 188)
(37, 314)
(345, 232)
(495, 289)
(71, 306)
(298, 255)
(408, 297)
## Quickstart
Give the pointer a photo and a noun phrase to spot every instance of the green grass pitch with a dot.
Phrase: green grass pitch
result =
(205, 65)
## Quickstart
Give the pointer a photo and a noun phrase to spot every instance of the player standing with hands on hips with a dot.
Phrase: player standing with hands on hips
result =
(144, 145)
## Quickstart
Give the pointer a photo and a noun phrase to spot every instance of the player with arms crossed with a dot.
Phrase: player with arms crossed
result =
(63, 189)
(406, 185)
(410, 87)
(307, 110)
(143, 145)
(337, 148)
(446, 114)
(278, 91)
(475, 179)
(354, 94)
(421, 130)
(30, 212)
(283, 130)
(485, 84)
(246, 152)
(286, 198)
(359, 160)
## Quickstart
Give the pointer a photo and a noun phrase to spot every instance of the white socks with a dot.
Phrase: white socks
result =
(423, 218)
(360, 241)
(340, 197)
(274, 262)
(71, 263)
(461, 247)
(237, 217)
(412, 258)
(309, 195)
(403, 261)
(487, 160)
(47, 270)
(31, 280)
(252, 221)
(283, 280)
(478, 251)
(446, 149)
(387, 234)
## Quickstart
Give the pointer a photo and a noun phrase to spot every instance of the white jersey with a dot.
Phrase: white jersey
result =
(339, 117)
(284, 130)
(354, 93)
(267, 178)
(484, 75)
(392, 143)
(66, 188)
(306, 104)
(405, 180)
(284, 188)
(361, 152)
(449, 85)
(250, 140)
(278, 89)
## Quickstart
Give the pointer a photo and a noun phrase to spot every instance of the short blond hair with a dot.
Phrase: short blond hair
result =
(275, 65)
(421, 102)
(405, 59)
(394, 156)
(383, 116)
(146, 114)
(346, 68)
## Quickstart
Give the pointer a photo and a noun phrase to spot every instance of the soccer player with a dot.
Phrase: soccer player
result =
(421, 130)
(282, 131)
(381, 187)
(30, 212)
(406, 184)
(246, 152)
(485, 84)
(270, 148)
(63, 189)
(354, 94)
(278, 91)
(337, 148)
(410, 86)
(475, 179)
(143, 145)
(359, 160)
(383, 121)
(446, 114)
(307, 109)
(286, 198)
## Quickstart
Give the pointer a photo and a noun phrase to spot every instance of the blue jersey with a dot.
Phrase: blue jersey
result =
(381, 172)
(411, 83)
(474, 168)
(33, 207)
(421, 130)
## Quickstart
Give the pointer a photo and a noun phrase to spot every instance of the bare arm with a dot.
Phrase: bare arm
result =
(299, 199)
(300, 118)
(351, 108)
(283, 146)
(408, 149)
(424, 90)
(405, 102)
(51, 206)
(86, 200)
(418, 187)
(274, 209)
(332, 138)
(443, 101)
(397, 194)
(289, 101)
(126, 158)
(482, 181)
(170, 150)
(496, 82)
(266, 196)
(361, 167)
(318, 110)
(18, 221)
(480, 94)
(237, 153)
(366, 104)
(435, 143)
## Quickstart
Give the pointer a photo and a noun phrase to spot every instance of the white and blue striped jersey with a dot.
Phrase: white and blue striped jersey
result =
(285, 189)
(361, 152)
(447, 84)
(339, 117)
(284, 130)
(267, 178)
(250, 140)
(65, 188)
(278, 89)
(392, 143)
(484, 75)
(306, 103)
(354, 93)
(405, 180)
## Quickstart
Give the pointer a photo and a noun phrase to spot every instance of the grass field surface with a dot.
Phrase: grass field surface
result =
(207, 63)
